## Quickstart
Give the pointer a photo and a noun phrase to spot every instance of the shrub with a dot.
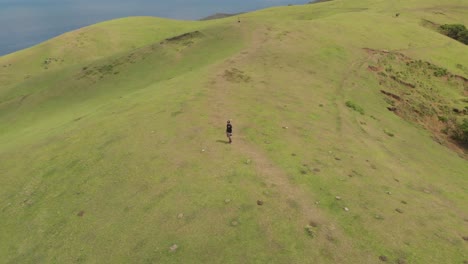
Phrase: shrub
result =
(452, 30)
(439, 72)
(456, 31)
(462, 134)
(463, 37)
(390, 134)
(355, 107)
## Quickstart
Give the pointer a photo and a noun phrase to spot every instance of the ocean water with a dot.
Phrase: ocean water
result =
(24, 23)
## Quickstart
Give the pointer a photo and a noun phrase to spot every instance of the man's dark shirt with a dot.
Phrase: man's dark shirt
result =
(229, 128)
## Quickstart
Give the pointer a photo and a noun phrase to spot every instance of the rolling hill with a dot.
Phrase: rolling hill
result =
(112, 143)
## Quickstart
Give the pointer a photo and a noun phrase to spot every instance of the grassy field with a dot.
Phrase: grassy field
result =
(112, 145)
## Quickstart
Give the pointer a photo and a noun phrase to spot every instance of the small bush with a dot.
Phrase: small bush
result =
(443, 119)
(462, 133)
(355, 107)
(390, 134)
(310, 231)
(463, 37)
(439, 72)
(456, 31)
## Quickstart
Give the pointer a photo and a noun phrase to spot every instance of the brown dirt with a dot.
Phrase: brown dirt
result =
(401, 103)
(313, 223)
(461, 78)
(80, 213)
(383, 258)
(392, 95)
(374, 51)
(401, 261)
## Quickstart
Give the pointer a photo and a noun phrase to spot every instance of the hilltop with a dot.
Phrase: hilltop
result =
(112, 145)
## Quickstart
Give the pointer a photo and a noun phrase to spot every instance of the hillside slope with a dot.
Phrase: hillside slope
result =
(118, 155)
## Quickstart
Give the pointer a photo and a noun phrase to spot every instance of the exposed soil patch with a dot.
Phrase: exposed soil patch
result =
(392, 95)
(410, 85)
(374, 51)
(80, 213)
(313, 223)
(401, 261)
(331, 238)
(373, 68)
(461, 78)
(414, 90)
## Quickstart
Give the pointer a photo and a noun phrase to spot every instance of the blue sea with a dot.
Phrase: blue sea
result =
(24, 23)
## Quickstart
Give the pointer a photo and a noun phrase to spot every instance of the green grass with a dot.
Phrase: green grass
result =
(355, 107)
(102, 152)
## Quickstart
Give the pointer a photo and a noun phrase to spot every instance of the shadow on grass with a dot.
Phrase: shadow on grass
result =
(223, 141)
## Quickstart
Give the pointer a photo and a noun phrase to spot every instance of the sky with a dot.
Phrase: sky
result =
(24, 23)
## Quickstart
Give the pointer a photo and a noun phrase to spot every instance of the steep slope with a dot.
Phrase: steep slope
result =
(122, 156)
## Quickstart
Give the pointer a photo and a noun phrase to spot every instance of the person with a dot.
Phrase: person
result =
(229, 131)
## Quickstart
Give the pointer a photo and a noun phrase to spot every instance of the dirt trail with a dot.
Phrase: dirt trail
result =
(223, 110)
(223, 101)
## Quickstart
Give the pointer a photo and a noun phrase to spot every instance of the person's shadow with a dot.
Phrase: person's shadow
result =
(222, 141)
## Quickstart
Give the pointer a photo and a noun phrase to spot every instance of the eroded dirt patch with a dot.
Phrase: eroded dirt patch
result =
(417, 91)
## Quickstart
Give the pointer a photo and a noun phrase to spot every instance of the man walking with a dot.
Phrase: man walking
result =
(229, 131)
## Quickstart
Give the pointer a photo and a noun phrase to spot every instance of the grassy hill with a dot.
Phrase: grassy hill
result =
(112, 145)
